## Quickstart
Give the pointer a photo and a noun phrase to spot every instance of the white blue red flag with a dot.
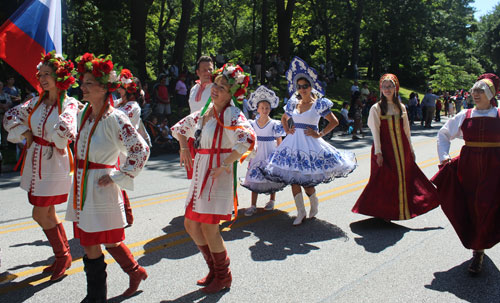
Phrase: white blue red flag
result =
(35, 28)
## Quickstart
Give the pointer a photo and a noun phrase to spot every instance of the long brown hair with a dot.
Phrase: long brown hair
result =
(395, 99)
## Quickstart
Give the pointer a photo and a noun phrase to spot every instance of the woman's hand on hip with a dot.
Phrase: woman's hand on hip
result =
(380, 160)
(105, 180)
(216, 172)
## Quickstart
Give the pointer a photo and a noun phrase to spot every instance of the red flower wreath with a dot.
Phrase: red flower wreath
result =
(101, 68)
(127, 81)
(63, 70)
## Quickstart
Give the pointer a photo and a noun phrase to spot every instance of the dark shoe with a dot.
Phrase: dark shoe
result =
(205, 251)
(95, 270)
(355, 137)
(136, 273)
(476, 265)
(223, 277)
(61, 251)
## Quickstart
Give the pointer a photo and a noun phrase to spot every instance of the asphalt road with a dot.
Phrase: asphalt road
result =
(337, 257)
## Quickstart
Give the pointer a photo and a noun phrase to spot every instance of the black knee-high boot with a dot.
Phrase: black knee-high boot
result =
(96, 280)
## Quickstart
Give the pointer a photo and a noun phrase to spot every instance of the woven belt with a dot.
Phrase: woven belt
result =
(42, 141)
(207, 151)
(304, 126)
(92, 165)
(265, 138)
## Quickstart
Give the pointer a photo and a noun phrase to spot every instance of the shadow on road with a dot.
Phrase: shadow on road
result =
(278, 238)
(457, 281)
(28, 290)
(377, 234)
(198, 296)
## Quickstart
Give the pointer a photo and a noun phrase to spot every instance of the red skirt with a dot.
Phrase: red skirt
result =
(100, 237)
(398, 190)
(44, 201)
(204, 218)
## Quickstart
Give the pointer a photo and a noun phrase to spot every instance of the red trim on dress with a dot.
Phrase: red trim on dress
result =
(204, 218)
(44, 201)
(100, 237)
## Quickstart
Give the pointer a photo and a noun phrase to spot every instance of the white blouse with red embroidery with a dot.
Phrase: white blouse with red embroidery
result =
(46, 171)
(103, 205)
(217, 196)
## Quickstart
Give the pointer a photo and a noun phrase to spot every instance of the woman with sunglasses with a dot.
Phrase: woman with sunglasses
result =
(48, 123)
(222, 134)
(468, 185)
(96, 206)
(304, 159)
(397, 189)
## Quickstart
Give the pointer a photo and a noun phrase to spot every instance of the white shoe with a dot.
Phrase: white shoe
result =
(301, 210)
(250, 211)
(314, 206)
(269, 205)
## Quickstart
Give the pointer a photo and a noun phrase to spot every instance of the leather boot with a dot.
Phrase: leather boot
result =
(60, 227)
(205, 251)
(128, 210)
(476, 265)
(301, 209)
(314, 206)
(223, 277)
(136, 273)
(63, 257)
(95, 270)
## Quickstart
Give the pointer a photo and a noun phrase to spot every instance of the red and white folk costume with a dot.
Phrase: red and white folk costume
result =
(469, 185)
(45, 173)
(398, 190)
(208, 200)
(198, 96)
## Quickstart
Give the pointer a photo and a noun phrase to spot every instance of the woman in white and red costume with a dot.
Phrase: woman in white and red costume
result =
(469, 185)
(96, 207)
(222, 134)
(48, 123)
(130, 93)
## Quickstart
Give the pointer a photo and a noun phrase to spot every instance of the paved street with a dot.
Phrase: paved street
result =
(337, 257)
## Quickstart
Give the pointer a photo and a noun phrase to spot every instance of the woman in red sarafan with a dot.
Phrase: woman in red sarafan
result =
(469, 184)
(48, 123)
(397, 189)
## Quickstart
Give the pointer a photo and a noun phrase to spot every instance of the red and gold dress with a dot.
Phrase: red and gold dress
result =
(398, 190)
(469, 185)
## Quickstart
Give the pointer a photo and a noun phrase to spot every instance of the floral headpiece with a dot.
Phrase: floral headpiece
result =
(64, 70)
(300, 69)
(127, 81)
(263, 93)
(101, 68)
(236, 77)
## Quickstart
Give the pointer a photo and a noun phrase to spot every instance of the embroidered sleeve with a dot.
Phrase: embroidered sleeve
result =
(290, 105)
(65, 129)
(278, 130)
(15, 120)
(243, 137)
(187, 126)
(133, 145)
(323, 107)
(133, 112)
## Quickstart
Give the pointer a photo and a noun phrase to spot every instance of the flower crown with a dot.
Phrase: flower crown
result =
(236, 77)
(64, 70)
(101, 68)
(127, 81)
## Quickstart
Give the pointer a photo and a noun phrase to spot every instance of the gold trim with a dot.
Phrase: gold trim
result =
(390, 123)
(482, 144)
(403, 164)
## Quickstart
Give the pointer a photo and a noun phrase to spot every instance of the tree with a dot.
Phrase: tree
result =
(284, 16)
(138, 15)
(182, 31)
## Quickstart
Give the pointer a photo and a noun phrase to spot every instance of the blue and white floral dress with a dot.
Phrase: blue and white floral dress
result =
(266, 144)
(305, 160)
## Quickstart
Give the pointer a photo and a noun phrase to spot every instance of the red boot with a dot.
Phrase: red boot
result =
(205, 251)
(63, 257)
(128, 209)
(137, 273)
(60, 227)
(223, 276)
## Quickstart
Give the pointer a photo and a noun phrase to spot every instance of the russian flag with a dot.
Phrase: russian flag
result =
(35, 28)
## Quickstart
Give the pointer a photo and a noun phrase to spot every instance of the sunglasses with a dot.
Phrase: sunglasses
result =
(303, 86)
